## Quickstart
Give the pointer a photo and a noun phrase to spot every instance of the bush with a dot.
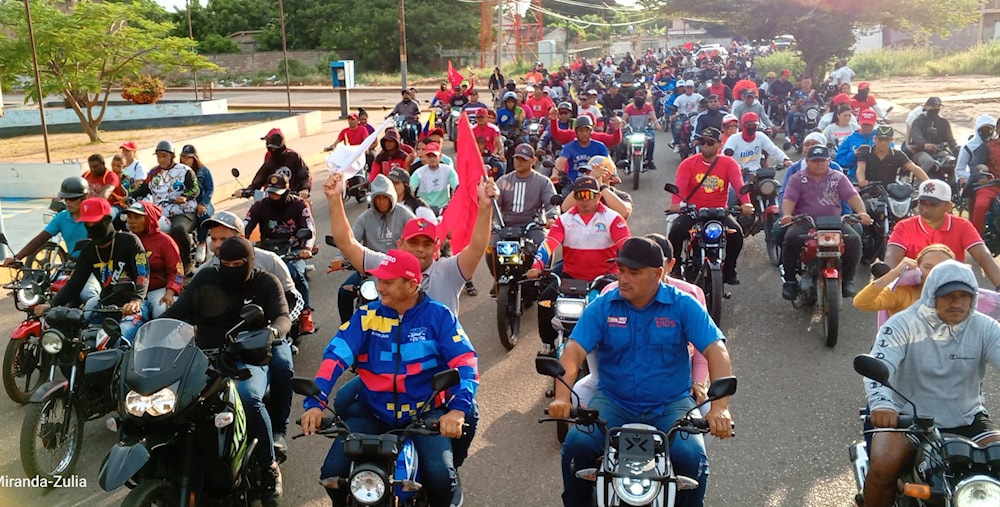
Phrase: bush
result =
(779, 60)
(214, 44)
(145, 89)
(296, 68)
(922, 61)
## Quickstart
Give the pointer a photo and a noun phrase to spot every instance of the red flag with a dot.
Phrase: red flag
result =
(464, 206)
(687, 45)
(453, 76)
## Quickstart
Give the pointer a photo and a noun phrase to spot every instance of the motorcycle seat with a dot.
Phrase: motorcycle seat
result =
(712, 213)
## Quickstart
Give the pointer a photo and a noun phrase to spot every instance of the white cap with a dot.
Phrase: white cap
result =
(730, 117)
(816, 136)
(689, 83)
(936, 190)
(529, 89)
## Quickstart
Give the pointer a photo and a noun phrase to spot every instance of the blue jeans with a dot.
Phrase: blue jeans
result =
(437, 470)
(581, 450)
(280, 371)
(348, 394)
(792, 122)
(345, 297)
(297, 268)
(129, 324)
(258, 421)
(200, 219)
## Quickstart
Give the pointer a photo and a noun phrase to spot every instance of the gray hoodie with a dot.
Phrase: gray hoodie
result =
(963, 163)
(939, 367)
(379, 231)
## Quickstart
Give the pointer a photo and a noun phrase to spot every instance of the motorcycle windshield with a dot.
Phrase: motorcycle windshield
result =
(159, 343)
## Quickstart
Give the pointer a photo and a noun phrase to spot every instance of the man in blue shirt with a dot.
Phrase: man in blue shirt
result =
(578, 153)
(847, 152)
(641, 332)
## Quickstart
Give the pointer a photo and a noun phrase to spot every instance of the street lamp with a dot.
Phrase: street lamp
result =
(402, 43)
(38, 81)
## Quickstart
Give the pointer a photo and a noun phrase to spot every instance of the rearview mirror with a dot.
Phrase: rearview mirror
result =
(305, 386)
(445, 379)
(549, 366)
(548, 164)
(671, 188)
(746, 188)
(330, 241)
(556, 200)
(304, 233)
(869, 367)
(235, 172)
(722, 387)
(252, 314)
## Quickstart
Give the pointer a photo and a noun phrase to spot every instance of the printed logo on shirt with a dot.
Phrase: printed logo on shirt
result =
(954, 357)
(285, 171)
(665, 322)
(711, 184)
(417, 334)
(601, 227)
(617, 321)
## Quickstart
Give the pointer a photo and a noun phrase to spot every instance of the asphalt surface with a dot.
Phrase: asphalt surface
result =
(795, 410)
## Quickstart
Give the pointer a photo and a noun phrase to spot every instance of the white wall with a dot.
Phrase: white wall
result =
(867, 41)
(30, 117)
(35, 180)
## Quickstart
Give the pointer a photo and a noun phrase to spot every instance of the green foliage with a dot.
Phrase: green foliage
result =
(296, 68)
(323, 66)
(224, 17)
(145, 89)
(779, 60)
(981, 59)
(214, 44)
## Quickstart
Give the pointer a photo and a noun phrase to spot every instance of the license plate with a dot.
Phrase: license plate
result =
(827, 254)
(508, 252)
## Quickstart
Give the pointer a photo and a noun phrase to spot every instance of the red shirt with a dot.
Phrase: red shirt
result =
(587, 243)
(490, 133)
(858, 106)
(712, 192)
(912, 235)
(539, 108)
(97, 184)
(444, 97)
(565, 136)
(353, 136)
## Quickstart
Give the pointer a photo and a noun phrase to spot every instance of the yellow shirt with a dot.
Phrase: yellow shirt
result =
(871, 299)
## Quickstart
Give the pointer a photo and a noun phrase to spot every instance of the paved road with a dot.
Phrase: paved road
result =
(795, 410)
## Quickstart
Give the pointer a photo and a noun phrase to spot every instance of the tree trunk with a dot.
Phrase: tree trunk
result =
(89, 127)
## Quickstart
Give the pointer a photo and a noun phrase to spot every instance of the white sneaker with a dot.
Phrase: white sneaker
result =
(200, 253)
(677, 149)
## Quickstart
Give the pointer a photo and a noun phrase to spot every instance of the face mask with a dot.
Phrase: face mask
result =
(750, 130)
(638, 102)
(933, 113)
(101, 232)
(234, 276)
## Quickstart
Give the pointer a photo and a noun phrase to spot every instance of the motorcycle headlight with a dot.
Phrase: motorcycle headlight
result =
(367, 487)
(713, 230)
(828, 239)
(570, 308)
(768, 188)
(636, 491)
(369, 290)
(977, 491)
(159, 403)
(28, 297)
(637, 138)
(52, 341)
(812, 114)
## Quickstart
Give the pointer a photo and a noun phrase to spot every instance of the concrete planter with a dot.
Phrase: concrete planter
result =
(29, 116)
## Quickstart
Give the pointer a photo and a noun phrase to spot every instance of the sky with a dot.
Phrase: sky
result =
(173, 5)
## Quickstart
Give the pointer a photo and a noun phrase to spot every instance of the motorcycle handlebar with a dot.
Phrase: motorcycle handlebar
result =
(902, 422)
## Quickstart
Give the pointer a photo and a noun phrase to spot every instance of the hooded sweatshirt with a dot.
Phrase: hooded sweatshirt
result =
(962, 168)
(381, 231)
(940, 367)
(386, 160)
(162, 255)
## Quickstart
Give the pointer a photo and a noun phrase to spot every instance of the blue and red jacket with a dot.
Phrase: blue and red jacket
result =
(397, 358)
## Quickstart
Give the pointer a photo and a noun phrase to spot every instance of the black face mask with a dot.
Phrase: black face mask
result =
(234, 276)
(750, 129)
(933, 113)
(235, 248)
(101, 232)
(638, 102)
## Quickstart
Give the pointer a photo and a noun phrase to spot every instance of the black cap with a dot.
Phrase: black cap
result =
(398, 175)
(664, 244)
(586, 183)
(525, 151)
(638, 253)
(956, 285)
(933, 101)
(188, 150)
(818, 152)
(276, 183)
(712, 133)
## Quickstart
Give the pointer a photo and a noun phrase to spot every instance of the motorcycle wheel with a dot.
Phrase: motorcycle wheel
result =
(636, 169)
(508, 321)
(152, 492)
(831, 312)
(22, 359)
(713, 284)
(48, 258)
(773, 253)
(41, 442)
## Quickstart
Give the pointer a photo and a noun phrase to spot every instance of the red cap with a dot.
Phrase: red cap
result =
(398, 264)
(863, 86)
(842, 98)
(130, 146)
(94, 209)
(273, 132)
(352, 116)
(433, 148)
(749, 118)
(786, 72)
(867, 117)
(419, 227)
(439, 131)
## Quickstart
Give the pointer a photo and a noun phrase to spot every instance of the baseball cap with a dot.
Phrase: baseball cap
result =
(586, 183)
(137, 208)
(863, 86)
(953, 286)
(436, 131)
(398, 175)
(529, 89)
(565, 105)
(933, 101)
(352, 116)
(225, 219)
(933, 190)
(434, 148)
(842, 98)
(546, 89)
(818, 153)
(730, 118)
(276, 183)
(867, 117)
(786, 72)
(188, 150)
(712, 133)
(129, 145)
(94, 209)
(638, 253)
(398, 264)
(525, 151)
(419, 227)
(591, 92)
(884, 131)
(477, 111)
(273, 132)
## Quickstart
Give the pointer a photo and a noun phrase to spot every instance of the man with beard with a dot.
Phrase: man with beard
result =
(112, 258)
(280, 217)
(282, 160)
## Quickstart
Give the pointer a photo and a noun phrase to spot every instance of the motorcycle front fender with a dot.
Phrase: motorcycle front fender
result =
(771, 210)
(830, 273)
(121, 463)
(27, 329)
(48, 389)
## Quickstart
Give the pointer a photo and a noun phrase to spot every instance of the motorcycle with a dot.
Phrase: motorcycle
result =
(683, 125)
(948, 470)
(288, 250)
(763, 189)
(635, 468)
(637, 154)
(181, 426)
(533, 130)
(819, 270)
(356, 186)
(704, 254)
(514, 251)
(52, 431)
(384, 469)
(408, 129)
(364, 292)
(887, 205)
(453, 122)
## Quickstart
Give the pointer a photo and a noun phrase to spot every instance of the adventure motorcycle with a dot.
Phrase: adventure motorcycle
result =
(635, 469)
(182, 429)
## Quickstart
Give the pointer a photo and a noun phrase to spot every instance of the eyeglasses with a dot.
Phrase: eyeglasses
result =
(584, 195)
(707, 142)
(69, 199)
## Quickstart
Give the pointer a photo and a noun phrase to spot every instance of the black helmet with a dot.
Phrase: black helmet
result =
(583, 121)
(166, 146)
(73, 187)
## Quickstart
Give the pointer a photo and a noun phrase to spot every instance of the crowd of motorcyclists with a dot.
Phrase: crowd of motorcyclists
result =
(554, 147)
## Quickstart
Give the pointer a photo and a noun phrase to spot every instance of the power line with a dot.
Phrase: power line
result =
(581, 22)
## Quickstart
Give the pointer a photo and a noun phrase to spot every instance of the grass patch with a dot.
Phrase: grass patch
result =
(778, 61)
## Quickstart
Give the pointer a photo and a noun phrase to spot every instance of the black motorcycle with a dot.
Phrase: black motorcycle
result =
(364, 292)
(948, 470)
(514, 252)
(182, 427)
(288, 250)
(87, 355)
(887, 205)
(763, 188)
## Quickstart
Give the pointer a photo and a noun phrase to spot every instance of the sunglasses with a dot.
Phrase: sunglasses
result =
(584, 195)
(707, 142)
(68, 199)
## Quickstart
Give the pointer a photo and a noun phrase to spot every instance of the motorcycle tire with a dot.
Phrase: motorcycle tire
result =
(48, 258)
(636, 169)
(831, 312)
(508, 321)
(21, 360)
(37, 433)
(713, 294)
(773, 249)
(152, 492)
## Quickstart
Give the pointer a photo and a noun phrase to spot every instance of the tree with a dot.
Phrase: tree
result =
(222, 18)
(86, 51)
(824, 30)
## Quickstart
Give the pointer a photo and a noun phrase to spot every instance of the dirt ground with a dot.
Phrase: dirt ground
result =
(77, 146)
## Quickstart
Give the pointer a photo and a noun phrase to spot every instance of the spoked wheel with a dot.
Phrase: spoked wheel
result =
(48, 258)
(831, 311)
(508, 320)
(152, 493)
(773, 249)
(23, 368)
(712, 285)
(51, 436)
(636, 169)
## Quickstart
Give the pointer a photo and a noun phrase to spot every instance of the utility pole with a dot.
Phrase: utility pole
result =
(284, 54)
(38, 80)
(402, 43)
(499, 33)
(191, 36)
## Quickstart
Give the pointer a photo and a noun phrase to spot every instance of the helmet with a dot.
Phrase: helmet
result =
(565, 105)
(583, 121)
(510, 81)
(509, 95)
(166, 146)
(73, 187)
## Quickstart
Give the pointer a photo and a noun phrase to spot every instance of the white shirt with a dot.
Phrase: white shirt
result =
(592, 110)
(842, 75)
(135, 170)
(687, 104)
(748, 155)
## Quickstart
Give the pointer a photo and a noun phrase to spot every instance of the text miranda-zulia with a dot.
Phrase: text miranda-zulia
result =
(58, 481)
